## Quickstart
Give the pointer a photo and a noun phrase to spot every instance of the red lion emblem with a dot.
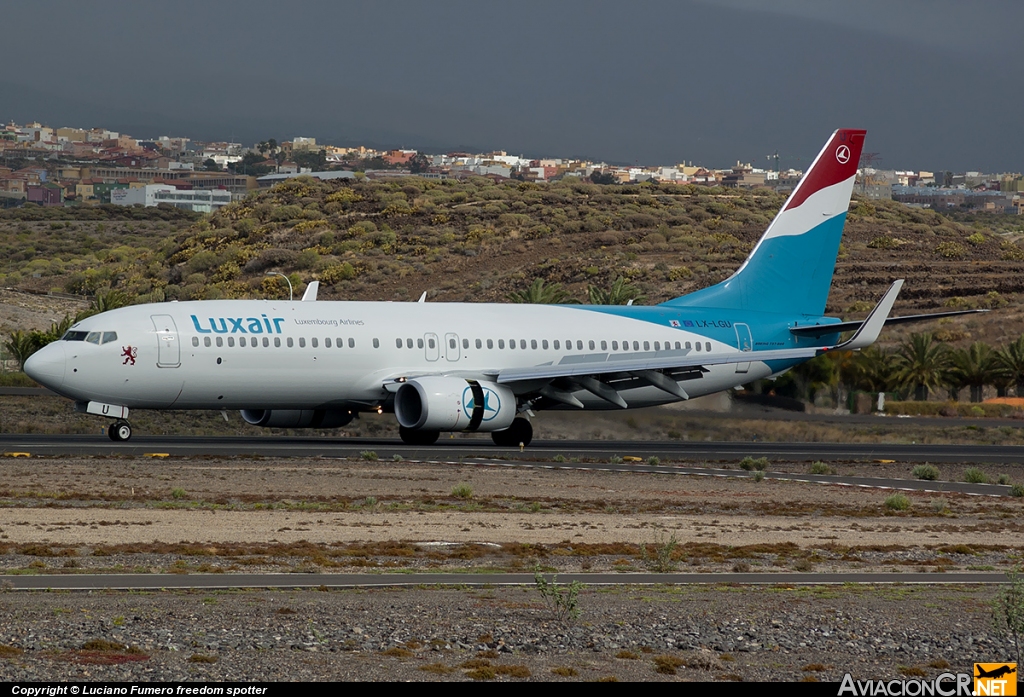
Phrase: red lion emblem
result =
(129, 353)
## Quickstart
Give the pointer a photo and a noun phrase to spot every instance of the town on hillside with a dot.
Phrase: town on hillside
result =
(48, 166)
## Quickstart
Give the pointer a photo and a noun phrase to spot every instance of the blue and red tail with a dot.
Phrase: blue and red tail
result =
(790, 268)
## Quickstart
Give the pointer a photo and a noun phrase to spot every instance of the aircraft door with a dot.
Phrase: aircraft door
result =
(431, 346)
(168, 348)
(451, 347)
(745, 343)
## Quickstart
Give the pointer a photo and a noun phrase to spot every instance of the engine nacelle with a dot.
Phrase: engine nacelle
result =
(298, 418)
(454, 404)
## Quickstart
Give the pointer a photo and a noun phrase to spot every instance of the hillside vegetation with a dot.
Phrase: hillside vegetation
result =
(481, 241)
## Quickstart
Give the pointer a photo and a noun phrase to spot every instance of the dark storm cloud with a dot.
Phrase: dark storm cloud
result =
(653, 82)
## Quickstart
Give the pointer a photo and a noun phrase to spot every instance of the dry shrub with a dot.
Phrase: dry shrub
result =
(667, 664)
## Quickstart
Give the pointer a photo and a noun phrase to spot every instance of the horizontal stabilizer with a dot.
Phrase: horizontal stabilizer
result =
(817, 330)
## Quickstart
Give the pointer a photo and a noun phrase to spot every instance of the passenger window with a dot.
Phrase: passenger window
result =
(408, 343)
(657, 345)
(376, 343)
(677, 346)
(604, 345)
(688, 346)
(231, 341)
(592, 346)
(302, 342)
(511, 343)
(430, 343)
(707, 345)
(501, 343)
(522, 343)
(615, 346)
(419, 343)
(109, 336)
(479, 344)
(557, 345)
(465, 343)
(314, 342)
(636, 345)
(351, 343)
(195, 341)
(266, 342)
(277, 342)
(291, 342)
(220, 341)
(451, 343)
(93, 338)
(490, 343)
(327, 342)
(698, 346)
(647, 346)
(579, 344)
(206, 341)
(398, 343)
(254, 342)
(544, 344)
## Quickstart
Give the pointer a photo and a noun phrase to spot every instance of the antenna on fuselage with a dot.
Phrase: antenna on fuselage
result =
(311, 290)
(423, 298)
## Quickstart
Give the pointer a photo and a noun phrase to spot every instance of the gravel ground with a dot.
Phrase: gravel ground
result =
(710, 633)
(80, 515)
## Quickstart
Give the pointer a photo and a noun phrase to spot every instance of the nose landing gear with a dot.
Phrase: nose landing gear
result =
(119, 431)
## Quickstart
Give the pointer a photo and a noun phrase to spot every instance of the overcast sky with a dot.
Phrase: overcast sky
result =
(935, 82)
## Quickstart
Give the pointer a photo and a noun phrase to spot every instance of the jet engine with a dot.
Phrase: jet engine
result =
(454, 404)
(297, 418)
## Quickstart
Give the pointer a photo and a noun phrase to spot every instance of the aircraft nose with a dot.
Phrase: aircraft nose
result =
(46, 366)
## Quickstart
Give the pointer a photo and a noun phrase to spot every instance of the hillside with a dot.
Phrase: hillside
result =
(478, 241)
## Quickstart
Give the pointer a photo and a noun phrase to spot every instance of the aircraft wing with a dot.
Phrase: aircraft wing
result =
(602, 373)
(598, 373)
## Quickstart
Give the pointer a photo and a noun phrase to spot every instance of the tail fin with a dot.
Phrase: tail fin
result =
(790, 268)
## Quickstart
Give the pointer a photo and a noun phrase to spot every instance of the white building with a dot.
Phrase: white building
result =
(196, 200)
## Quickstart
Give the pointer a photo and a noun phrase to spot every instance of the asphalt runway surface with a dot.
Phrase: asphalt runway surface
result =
(214, 581)
(612, 456)
(482, 447)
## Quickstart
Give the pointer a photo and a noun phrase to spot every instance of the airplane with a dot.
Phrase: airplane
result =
(472, 367)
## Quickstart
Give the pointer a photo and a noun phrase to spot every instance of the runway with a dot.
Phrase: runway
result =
(228, 581)
(675, 458)
(482, 447)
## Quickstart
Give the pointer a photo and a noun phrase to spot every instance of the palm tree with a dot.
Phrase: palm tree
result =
(541, 294)
(1011, 361)
(620, 293)
(921, 363)
(972, 367)
(872, 370)
(21, 345)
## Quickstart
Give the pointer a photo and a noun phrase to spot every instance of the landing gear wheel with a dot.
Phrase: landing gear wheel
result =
(412, 436)
(521, 431)
(119, 431)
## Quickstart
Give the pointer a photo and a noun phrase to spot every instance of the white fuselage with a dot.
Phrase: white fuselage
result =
(255, 354)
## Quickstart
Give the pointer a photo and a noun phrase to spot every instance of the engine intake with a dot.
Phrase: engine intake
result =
(454, 404)
(298, 418)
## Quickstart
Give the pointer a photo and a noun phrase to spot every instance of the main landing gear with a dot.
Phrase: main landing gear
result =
(119, 431)
(519, 433)
(411, 436)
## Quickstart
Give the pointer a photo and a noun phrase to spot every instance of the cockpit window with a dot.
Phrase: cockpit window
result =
(93, 338)
(108, 337)
(74, 336)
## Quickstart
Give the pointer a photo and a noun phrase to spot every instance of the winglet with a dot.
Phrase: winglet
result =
(310, 294)
(872, 326)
